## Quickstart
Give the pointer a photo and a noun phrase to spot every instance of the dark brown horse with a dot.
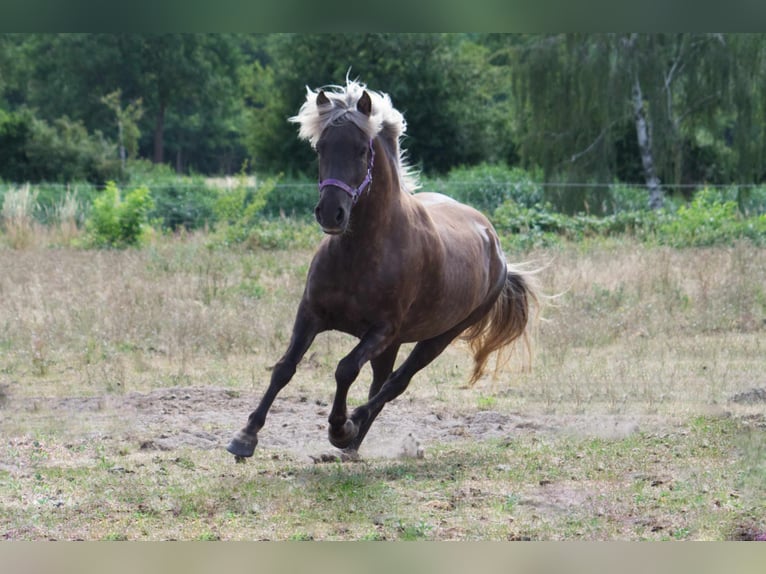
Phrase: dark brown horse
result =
(394, 267)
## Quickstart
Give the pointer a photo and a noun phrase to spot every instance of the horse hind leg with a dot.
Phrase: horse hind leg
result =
(420, 357)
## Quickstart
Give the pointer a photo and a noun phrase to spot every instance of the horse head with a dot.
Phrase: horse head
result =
(346, 159)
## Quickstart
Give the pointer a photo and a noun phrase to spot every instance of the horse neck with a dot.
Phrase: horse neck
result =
(381, 206)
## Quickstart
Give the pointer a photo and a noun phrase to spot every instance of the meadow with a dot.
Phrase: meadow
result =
(123, 373)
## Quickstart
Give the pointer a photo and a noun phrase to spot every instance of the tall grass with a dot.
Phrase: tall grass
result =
(621, 334)
(615, 433)
(18, 221)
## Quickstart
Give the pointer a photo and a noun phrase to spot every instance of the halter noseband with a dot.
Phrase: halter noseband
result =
(354, 192)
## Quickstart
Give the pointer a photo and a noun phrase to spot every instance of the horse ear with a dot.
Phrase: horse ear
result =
(322, 99)
(364, 104)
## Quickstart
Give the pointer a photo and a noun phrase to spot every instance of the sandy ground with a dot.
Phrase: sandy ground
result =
(206, 417)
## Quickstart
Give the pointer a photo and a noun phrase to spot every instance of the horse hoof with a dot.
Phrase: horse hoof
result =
(242, 445)
(342, 438)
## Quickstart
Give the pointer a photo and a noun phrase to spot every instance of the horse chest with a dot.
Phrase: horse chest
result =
(346, 302)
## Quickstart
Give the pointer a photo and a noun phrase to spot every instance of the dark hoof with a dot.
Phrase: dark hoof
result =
(341, 438)
(242, 445)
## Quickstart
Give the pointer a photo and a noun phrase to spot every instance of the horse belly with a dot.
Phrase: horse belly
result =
(471, 274)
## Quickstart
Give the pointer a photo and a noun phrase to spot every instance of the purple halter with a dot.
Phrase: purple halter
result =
(354, 192)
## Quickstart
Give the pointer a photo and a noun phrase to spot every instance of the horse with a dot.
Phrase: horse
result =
(394, 266)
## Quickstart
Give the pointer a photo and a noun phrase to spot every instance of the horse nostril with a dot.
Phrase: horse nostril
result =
(339, 216)
(317, 214)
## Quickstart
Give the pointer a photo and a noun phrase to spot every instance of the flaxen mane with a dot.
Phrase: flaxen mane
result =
(384, 121)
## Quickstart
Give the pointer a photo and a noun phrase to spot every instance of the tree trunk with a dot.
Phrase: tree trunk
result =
(159, 129)
(122, 144)
(643, 133)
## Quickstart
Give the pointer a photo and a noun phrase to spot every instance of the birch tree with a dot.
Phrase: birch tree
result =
(581, 95)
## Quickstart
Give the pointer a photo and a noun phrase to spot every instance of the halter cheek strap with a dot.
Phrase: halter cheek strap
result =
(354, 192)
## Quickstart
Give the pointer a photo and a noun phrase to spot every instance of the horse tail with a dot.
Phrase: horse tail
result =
(508, 321)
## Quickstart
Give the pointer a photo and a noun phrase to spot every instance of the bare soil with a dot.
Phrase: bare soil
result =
(204, 418)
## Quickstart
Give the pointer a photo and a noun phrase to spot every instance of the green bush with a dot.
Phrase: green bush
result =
(486, 187)
(286, 233)
(751, 201)
(115, 222)
(180, 202)
(625, 198)
(709, 220)
(33, 150)
(238, 210)
(184, 205)
(15, 132)
(295, 197)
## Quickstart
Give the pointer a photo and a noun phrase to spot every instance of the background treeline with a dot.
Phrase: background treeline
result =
(204, 103)
(536, 130)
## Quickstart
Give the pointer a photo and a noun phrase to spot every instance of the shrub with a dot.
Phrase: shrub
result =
(187, 205)
(285, 233)
(15, 132)
(34, 150)
(238, 210)
(292, 198)
(115, 222)
(486, 187)
(542, 225)
(708, 220)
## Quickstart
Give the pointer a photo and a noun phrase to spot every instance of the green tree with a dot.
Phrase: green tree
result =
(583, 95)
(34, 150)
(188, 85)
(441, 82)
(127, 124)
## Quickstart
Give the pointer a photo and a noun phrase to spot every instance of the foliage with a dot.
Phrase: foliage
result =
(710, 220)
(238, 210)
(558, 102)
(271, 213)
(699, 93)
(285, 233)
(180, 202)
(485, 186)
(294, 197)
(183, 205)
(115, 222)
(188, 85)
(34, 150)
(456, 109)
(127, 124)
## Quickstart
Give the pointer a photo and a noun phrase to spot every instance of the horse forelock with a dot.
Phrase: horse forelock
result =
(384, 120)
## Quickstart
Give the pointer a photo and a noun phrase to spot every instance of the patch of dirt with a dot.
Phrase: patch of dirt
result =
(206, 417)
(750, 396)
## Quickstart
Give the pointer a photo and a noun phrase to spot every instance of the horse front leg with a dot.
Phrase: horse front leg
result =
(305, 329)
(376, 342)
(382, 367)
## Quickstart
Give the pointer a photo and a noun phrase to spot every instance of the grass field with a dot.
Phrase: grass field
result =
(124, 373)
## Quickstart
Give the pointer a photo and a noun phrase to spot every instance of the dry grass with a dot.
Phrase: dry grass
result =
(17, 217)
(21, 231)
(625, 428)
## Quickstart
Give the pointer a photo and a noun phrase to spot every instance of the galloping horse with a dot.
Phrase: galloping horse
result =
(393, 268)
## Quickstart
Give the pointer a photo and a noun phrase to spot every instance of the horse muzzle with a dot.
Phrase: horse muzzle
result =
(332, 214)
